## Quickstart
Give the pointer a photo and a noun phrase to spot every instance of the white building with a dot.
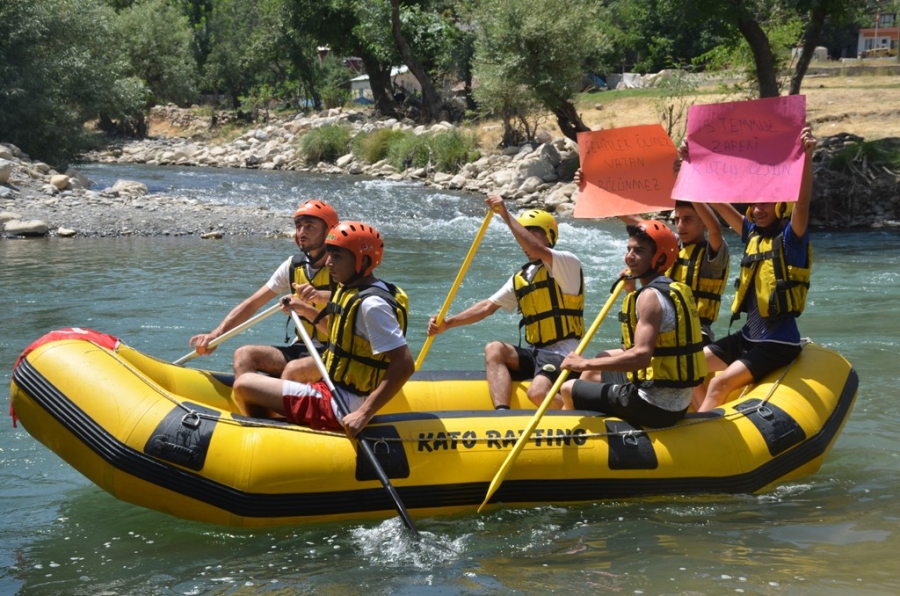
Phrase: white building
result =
(403, 81)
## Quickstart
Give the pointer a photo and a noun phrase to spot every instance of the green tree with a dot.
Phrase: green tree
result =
(532, 44)
(657, 34)
(839, 12)
(360, 28)
(156, 40)
(431, 99)
(765, 31)
(512, 103)
(59, 67)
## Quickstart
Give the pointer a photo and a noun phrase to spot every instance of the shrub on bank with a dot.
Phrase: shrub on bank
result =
(372, 147)
(454, 149)
(881, 152)
(446, 151)
(326, 143)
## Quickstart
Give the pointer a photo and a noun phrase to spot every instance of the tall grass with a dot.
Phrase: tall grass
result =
(445, 151)
(326, 143)
(372, 147)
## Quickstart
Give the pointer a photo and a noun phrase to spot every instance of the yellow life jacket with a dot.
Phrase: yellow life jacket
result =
(349, 358)
(678, 359)
(548, 314)
(707, 290)
(320, 281)
(780, 288)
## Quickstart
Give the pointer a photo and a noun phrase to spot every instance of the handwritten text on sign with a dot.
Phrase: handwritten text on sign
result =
(625, 171)
(744, 152)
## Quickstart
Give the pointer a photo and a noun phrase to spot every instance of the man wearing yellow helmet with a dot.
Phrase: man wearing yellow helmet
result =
(772, 287)
(303, 274)
(548, 291)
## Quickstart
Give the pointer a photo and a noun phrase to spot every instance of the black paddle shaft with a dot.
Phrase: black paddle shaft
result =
(376, 465)
(343, 409)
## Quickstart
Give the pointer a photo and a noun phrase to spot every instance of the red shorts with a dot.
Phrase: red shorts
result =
(309, 405)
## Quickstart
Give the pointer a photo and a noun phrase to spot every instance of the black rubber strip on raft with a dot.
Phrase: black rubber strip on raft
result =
(312, 505)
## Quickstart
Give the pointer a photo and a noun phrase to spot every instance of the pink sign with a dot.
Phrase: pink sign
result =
(744, 152)
(625, 171)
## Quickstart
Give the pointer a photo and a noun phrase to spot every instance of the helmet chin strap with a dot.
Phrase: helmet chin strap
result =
(353, 278)
(771, 230)
(651, 271)
(312, 256)
(315, 256)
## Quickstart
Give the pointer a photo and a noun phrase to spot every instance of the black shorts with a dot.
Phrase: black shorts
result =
(534, 362)
(295, 351)
(622, 400)
(760, 357)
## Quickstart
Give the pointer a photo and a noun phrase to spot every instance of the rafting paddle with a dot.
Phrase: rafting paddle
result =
(459, 277)
(344, 410)
(526, 434)
(232, 332)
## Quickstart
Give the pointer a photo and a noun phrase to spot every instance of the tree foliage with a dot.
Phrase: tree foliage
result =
(65, 62)
(59, 68)
(532, 45)
(156, 39)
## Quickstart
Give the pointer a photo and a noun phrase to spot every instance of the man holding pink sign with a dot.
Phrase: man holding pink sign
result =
(773, 281)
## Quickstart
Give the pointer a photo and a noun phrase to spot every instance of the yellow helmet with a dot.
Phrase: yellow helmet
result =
(783, 210)
(536, 218)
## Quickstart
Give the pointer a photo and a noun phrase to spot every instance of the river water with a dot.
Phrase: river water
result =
(835, 532)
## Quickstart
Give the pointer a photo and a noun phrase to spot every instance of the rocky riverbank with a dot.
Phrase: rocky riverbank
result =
(35, 200)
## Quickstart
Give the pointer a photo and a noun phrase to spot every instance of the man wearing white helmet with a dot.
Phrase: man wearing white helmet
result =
(548, 291)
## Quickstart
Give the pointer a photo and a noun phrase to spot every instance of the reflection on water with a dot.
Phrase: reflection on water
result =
(831, 533)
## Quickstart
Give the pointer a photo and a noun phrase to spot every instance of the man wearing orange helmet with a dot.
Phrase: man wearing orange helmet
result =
(548, 291)
(305, 274)
(649, 381)
(772, 287)
(367, 358)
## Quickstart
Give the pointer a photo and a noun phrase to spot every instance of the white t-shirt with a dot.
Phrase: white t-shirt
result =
(566, 271)
(378, 324)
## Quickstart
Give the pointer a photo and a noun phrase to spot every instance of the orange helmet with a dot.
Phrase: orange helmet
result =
(360, 239)
(666, 243)
(319, 209)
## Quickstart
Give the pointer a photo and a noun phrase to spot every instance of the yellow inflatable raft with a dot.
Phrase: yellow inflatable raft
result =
(170, 438)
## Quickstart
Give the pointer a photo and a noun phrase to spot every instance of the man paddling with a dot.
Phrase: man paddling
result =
(368, 359)
(305, 273)
(703, 257)
(649, 380)
(548, 291)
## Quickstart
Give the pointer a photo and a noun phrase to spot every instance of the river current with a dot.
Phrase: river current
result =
(834, 532)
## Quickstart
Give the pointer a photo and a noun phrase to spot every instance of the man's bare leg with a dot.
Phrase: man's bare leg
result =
(499, 359)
